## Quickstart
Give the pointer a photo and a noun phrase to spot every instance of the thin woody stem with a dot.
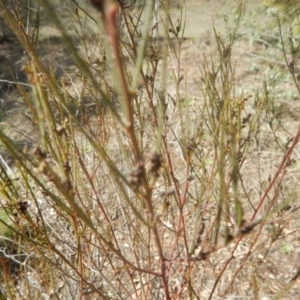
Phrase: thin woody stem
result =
(111, 29)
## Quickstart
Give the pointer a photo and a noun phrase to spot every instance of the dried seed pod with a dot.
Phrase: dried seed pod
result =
(39, 153)
(156, 162)
(136, 175)
(67, 185)
(126, 3)
(23, 207)
(99, 4)
(67, 166)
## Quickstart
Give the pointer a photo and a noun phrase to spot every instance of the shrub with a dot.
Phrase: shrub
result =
(135, 190)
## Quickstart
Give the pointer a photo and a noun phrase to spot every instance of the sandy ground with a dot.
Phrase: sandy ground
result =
(201, 17)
